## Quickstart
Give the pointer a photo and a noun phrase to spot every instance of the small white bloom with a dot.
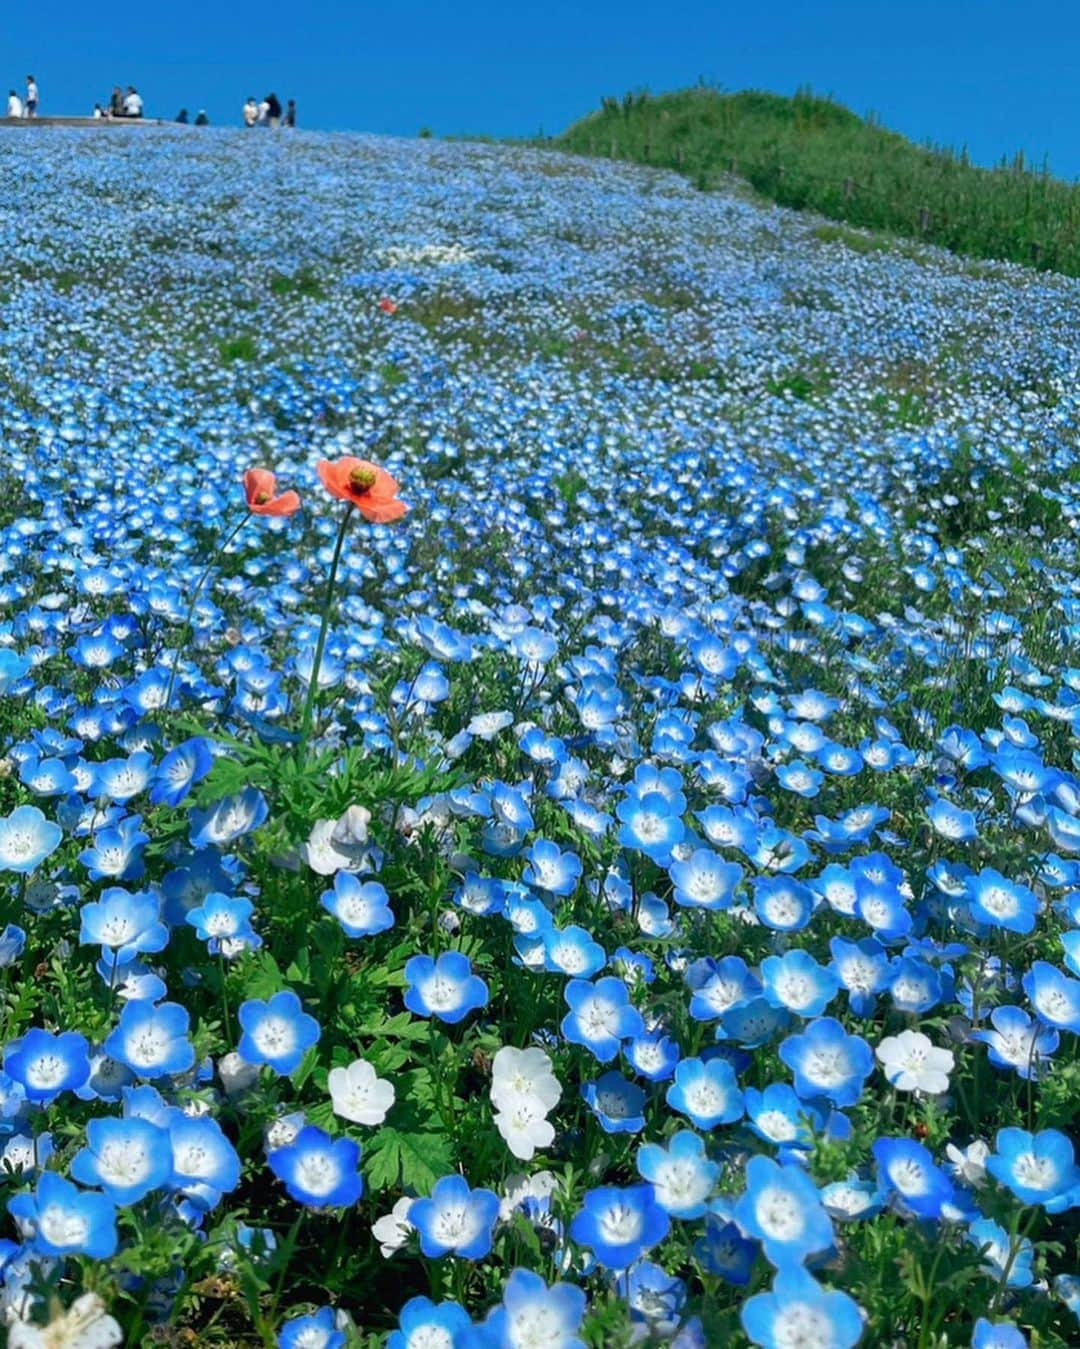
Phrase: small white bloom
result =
(912, 1063)
(524, 1127)
(358, 1094)
(969, 1164)
(85, 1325)
(487, 725)
(237, 1075)
(323, 855)
(393, 1229)
(520, 1190)
(351, 830)
(518, 1074)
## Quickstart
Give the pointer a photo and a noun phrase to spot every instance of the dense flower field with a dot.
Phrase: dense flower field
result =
(588, 852)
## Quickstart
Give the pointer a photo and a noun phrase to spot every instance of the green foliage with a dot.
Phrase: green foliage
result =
(243, 348)
(811, 152)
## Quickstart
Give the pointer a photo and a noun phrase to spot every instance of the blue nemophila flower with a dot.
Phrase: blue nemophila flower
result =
(445, 988)
(125, 924)
(205, 1165)
(796, 981)
(863, 970)
(997, 1335)
(782, 903)
(455, 1220)
(907, 1169)
(319, 1171)
(45, 1064)
(1038, 1168)
(952, 822)
(27, 838)
(13, 668)
(180, 770)
(651, 824)
(533, 1314)
(779, 1116)
(619, 1105)
(681, 1174)
(782, 1209)
(572, 951)
(1016, 1041)
(656, 1300)
(277, 1032)
(798, 1310)
(653, 1056)
(229, 819)
(423, 1323)
(316, 1331)
(122, 779)
(223, 921)
(127, 1158)
(117, 852)
(361, 907)
(724, 1251)
(852, 1199)
(828, 1062)
(719, 985)
(1054, 996)
(1001, 903)
(62, 1220)
(551, 869)
(619, 1225)
(601, 1016)
(799, 778)
(997, 1250)
(12, 945)
(152, 1041)
(47, 777)
(706, 1091)
(705, 881)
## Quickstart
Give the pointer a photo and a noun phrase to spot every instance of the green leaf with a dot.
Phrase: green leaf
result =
(407, 1158)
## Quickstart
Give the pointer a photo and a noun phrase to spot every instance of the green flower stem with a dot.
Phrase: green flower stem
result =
(185, 631)
(313, 680)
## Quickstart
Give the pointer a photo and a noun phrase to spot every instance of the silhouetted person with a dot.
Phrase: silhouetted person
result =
(133, 104)
(181, 117)
(14, 104)
(202, 119)
(116, 103)
(290, 112)
(31, 96)
(273, 109)
(251, 111)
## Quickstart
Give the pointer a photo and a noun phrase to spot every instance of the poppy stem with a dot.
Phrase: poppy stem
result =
(186, 629)
(313, 678)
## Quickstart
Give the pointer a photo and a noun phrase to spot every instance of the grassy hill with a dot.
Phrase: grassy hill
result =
(811, 152)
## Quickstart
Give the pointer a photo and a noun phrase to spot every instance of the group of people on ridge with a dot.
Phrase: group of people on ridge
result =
(121, 104)
(268, 112)
(24, 107)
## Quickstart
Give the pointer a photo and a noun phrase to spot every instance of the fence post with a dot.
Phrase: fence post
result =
(924, 219)
(849, 188)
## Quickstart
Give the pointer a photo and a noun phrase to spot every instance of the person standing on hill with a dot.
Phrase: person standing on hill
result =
(116, 103)
(273, 110)
(202, 119)
(31, 96)
(251, 111)
(290, 113)
(14, 104)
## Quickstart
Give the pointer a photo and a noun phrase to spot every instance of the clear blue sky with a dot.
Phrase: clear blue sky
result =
(995, 74)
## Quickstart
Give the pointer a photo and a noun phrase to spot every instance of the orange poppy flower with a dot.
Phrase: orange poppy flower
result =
(259, 486)
(371, 489)
(387, 305)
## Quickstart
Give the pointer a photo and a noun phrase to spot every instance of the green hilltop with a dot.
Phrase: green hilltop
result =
(811, 152)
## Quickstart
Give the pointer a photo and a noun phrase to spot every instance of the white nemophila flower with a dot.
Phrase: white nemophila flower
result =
(912, 1063)
(358, 1094)
(487, 725)
(530, 1194)
(237, 1075)
(392, 1230)
(524, 1127)
(968, 1164)
(323, 854)
(351, 830)
(85, 1325)
(523, 1074)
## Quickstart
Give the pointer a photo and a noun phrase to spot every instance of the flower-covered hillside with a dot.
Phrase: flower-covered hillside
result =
(540, 798)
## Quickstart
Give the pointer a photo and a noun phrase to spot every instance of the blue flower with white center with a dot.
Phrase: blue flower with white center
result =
(124, 924)
(445, 988)
(852, 1199)
(1054, 996)
(619, 1105)
(455, 1220)
(779, 1116)
(719, 985)
(828, 1062)
(778, 850)
(863, 970)
(12, 945)
(532, 1314)
(1038, 1168)
(122, 779)
(651, 825)
(907, 1169)
(277, 1032)
(132, 981)
(782, 903)
(179, 771)
(424, 1324)
(47, 777)
(224, 923)
(724, 1251)
(550, 869)
(952, 822)
(127, 1158)
(753, 1023)
(653, 1056)
(782, 1209)
(229, 819)
(45, 1064)
(681, 1174)
(27, 838)
(152, 1041)
(634, 968)
(107, 1079)
(727, 828)
(997, 1335)
(798, 983)
(996, 1247)
(881, 906)
(117, 852)
(706, 1091)
(572, 951)
(839, 760)
(96, 652)
(205, 1165)
(63, 1220)
(319, 1171)
(799, 1311)
(601, 1016)
(705, 881)
(656, 1301)
(1001, 903)
(317, 1331)
(799, 778)
(1017, 1042)
(619, 1225)
(915, 986)
(13, 668)
(361, 907)
(509, 807)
